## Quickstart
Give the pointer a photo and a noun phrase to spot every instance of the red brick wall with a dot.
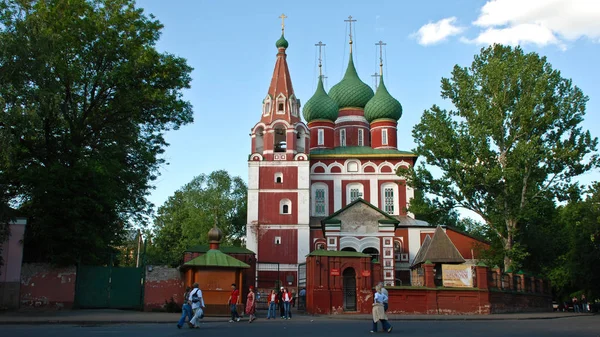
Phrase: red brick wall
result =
(268, 208)
(285, 252)
(43, 286)
(504, 302)
(162, 284)
(266, 178)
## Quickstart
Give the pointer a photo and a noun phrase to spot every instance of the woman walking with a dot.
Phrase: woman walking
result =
(251, 305)
(379, 312)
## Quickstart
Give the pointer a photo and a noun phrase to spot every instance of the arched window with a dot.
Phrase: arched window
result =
(279, 178)
(343, 137)
(319, 199)
(267, 106)
(280, 105)
(373, 252)
(320, 246)
(279, 139)
(320, 136)
(300, 138)
(354, 191)
(259, 140)
(389, 198)
(285, 206)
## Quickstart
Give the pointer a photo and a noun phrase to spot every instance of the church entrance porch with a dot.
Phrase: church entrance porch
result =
(339, 281)
(349, 284)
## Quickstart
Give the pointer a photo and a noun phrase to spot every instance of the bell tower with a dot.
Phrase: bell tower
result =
(277, 229)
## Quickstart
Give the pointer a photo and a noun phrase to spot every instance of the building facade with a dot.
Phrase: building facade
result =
(332, 183)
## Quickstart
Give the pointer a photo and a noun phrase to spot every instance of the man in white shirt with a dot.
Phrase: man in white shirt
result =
(384, 292)
(197, 306)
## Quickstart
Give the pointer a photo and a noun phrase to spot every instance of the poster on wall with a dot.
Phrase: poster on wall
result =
(457, 276)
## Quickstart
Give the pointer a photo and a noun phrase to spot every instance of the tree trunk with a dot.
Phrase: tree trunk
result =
(508, 243)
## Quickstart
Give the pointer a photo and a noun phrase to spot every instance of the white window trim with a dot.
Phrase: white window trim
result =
(277, 240)
(280, 100)
(343, 137)
(384, 137)
(395, 190)
(361, 137)
(267, 106)
(349, 188)
(278, 175)
(316, 186)
(287, 202)
(320, 136)
(293, 107)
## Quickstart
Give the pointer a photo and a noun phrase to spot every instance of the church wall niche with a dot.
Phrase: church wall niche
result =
(266, 179)
(268, 208)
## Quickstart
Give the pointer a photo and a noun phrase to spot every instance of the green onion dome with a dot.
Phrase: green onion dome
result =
(282, 42)
(351, 91)
(320, 106)
(383, 105)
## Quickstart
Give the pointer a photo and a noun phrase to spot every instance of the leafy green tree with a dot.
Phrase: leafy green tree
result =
(513, 136)
(577, 268)
(86, 99)
(187, 216)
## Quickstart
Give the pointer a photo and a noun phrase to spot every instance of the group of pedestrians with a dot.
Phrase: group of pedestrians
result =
(282, 299)
(580, 306)
(193, 307)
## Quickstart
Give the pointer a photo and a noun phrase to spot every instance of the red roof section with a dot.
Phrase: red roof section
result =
(281, 83)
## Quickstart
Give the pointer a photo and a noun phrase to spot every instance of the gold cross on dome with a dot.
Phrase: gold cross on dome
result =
(282, 17)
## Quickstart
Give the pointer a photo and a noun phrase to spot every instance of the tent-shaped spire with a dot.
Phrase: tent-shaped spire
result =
(439, 249)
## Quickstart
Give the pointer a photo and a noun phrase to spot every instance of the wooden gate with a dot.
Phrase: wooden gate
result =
(109, 287)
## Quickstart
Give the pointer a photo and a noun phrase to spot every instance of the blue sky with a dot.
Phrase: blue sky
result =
(231, 46)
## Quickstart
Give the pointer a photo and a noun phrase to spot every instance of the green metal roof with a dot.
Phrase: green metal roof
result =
(282, 42)
(216, 258)
(320, 105)
(224, 249)
(337, 253)
(360, 151)
(351, 92)
(383, 105)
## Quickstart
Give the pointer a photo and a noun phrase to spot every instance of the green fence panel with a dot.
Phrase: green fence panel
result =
(126, 288)
(92, 287)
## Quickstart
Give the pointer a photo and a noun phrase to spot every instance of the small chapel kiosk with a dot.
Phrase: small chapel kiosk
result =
(215, 271)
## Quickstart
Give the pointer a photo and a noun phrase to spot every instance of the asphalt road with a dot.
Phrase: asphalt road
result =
(562, 327)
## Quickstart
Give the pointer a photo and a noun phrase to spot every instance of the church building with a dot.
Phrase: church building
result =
(330, 183)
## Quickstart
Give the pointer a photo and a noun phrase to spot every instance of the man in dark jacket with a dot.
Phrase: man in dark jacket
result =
(280, 298)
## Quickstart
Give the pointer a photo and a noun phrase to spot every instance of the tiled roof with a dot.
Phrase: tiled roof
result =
(216, 258)
(383, 105)
(440, 250)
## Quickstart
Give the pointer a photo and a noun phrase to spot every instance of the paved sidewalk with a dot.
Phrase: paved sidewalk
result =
(90, 317)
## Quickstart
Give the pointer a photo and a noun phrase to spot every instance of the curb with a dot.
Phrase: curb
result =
(304, 318)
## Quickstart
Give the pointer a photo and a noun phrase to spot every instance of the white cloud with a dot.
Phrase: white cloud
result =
(435, 32)
(540, 22)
